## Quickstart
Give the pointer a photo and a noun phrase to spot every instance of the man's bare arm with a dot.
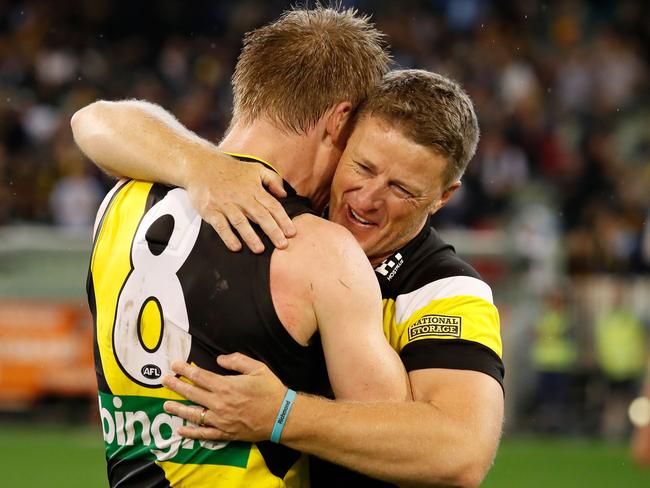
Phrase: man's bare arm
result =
(326, 261)
(447, 437)
(140, 140)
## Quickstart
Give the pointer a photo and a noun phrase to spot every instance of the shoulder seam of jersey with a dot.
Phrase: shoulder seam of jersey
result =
(427, 269)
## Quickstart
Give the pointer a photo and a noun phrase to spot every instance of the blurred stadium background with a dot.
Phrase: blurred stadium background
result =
(554, 209)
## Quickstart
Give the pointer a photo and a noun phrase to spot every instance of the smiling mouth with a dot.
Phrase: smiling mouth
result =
(356, 217)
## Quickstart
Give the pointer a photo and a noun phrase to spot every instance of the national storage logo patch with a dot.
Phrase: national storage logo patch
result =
(435, 325)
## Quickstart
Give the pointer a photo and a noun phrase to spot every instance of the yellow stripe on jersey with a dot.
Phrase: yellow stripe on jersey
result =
(459, 307)
(256, 474)
(110, 266)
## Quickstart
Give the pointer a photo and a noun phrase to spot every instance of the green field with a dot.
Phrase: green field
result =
(554, 463)
(70, 457)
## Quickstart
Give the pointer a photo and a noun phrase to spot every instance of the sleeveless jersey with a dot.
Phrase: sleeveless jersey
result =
(161, 287)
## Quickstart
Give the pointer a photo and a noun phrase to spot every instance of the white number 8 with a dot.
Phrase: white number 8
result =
(153, 278)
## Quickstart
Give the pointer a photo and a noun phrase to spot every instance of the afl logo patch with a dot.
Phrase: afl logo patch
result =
(435, 325)
(151, 371)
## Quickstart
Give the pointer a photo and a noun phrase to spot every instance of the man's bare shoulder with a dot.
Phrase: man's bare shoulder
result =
(329, 256)
(322, 251)
(323, 267)
(328, 239)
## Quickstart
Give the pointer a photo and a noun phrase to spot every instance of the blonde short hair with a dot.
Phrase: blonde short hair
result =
(296, 68)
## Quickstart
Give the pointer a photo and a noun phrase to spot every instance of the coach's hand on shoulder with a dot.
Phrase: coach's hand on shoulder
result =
(240, 407)
(228, 194)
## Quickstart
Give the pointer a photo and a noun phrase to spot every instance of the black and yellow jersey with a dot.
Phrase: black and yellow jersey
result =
(162, 286)
(438, 312)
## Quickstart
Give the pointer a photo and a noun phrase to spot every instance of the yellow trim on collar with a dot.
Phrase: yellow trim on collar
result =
(253, 157)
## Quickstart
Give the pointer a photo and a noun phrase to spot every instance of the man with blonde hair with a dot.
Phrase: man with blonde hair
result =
(411, 143)
(162, 286)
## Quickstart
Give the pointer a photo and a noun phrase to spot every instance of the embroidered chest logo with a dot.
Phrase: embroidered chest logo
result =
(390, 266)
(435, 325)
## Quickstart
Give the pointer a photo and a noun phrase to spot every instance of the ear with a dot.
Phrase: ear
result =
(444, 198)
(337, 128)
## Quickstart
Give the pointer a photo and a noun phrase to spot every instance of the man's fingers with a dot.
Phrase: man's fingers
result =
(191, 392)
(278, 212)
(197, 375)
(204, 433)
(265, 220)
(239, 362)
(273, 181)
(222, 227)
(191, 413)
(239, 221)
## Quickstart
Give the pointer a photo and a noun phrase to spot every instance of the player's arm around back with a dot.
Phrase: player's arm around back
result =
(345, 298)
(446, 437)
(140, 140)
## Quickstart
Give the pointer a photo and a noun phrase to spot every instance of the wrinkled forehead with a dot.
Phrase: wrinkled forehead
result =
(384, 145)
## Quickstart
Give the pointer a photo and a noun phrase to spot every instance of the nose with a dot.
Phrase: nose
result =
(370, 196)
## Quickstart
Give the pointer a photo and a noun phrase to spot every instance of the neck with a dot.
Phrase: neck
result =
(293, 155)
(406, 239)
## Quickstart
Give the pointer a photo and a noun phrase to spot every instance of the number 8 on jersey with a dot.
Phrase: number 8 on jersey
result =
(151, 326)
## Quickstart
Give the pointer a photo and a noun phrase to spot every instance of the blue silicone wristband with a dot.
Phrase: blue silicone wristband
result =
(283, 413)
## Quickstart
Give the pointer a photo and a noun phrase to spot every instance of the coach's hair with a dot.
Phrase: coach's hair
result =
(296, 68)
(430, 110)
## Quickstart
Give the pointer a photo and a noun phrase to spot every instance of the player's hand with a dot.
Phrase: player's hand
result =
(241, 407)
(228, 194)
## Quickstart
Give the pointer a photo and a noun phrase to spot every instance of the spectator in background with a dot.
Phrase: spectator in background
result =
(76, 196)
(554, 358)
(621, 353)
(555, 69)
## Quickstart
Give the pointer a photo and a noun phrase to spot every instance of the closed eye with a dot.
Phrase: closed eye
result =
(403, 191)
(362, 168)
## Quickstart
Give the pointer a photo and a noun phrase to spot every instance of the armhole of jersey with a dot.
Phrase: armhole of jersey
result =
(104, 206)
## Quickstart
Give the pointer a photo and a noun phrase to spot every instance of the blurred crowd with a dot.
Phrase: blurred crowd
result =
(561, 89)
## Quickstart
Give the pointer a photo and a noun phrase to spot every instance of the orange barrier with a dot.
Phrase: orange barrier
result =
(45, 350)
